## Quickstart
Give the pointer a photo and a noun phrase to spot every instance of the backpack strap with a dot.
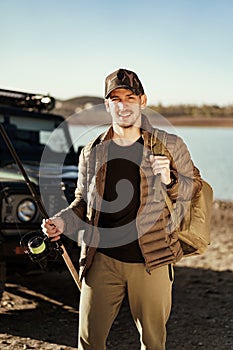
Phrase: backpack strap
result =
(158, 146)
(158, 142)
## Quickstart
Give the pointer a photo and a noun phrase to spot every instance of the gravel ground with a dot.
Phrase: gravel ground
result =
(40, 310)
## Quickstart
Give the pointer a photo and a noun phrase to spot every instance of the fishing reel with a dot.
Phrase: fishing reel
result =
(39, 248)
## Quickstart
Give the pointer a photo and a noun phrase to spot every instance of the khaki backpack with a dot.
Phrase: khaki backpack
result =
(194, 227)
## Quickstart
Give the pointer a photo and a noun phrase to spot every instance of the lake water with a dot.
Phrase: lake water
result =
(210, 149)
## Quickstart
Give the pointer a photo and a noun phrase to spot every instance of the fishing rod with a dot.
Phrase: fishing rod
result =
(39, 245)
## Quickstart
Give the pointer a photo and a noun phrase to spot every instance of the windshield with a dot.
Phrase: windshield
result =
(29, 137)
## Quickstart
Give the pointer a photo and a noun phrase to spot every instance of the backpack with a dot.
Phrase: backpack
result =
(194, 227)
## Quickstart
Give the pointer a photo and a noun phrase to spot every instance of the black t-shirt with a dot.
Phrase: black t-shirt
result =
(117, 223)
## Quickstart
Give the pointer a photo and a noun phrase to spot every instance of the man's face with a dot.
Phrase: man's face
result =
(125, 107)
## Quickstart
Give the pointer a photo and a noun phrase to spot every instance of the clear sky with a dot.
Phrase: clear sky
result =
(181, 49)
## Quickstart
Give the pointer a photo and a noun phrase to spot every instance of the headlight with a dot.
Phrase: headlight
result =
(26, 210)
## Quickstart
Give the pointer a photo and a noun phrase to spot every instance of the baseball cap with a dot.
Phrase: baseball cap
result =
(123, 78)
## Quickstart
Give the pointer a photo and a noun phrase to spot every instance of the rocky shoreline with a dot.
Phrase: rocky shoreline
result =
(40, 310)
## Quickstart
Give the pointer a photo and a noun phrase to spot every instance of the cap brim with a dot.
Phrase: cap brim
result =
(122, 87)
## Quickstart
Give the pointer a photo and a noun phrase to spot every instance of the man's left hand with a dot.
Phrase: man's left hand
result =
(161, 165)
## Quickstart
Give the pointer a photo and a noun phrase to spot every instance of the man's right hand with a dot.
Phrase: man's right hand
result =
(53, 228)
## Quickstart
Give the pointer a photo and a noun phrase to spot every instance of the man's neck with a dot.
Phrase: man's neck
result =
(126, 136)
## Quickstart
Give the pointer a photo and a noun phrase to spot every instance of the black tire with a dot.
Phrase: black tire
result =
(2, 277)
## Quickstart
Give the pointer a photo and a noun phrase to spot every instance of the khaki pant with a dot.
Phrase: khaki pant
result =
(102, 294)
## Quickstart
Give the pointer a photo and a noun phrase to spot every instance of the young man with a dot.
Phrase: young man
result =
(130, 244)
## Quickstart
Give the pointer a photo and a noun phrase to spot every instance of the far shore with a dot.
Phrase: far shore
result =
(88, 118)
(205, 122)
(90, 110)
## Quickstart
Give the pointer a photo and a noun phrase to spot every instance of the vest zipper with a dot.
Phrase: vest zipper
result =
(140, 171)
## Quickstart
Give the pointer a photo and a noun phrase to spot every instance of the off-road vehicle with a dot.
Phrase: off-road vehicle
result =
(36, 134)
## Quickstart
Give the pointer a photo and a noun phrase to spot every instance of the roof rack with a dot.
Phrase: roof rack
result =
(26, 100)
